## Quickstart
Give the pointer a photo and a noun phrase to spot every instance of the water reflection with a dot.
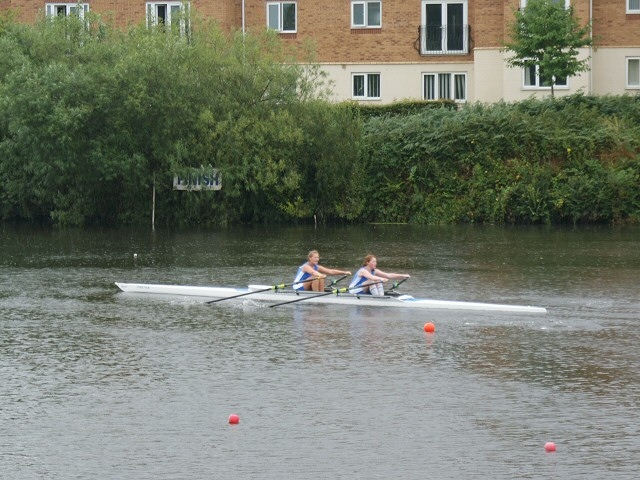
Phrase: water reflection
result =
(599, 361)
(93, 381)
(358, 334)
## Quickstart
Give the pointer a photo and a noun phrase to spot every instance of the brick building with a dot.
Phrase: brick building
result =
(387, 50)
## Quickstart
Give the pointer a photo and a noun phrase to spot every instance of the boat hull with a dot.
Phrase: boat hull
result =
(403, 301)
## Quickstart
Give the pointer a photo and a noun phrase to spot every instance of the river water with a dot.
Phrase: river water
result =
(100, 384)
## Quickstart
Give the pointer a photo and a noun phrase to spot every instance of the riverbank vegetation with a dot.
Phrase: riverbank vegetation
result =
(95, 123)
(566, 160)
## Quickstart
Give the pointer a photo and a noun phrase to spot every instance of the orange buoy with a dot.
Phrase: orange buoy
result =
(429, 327)
(550, 447)
(234, 419)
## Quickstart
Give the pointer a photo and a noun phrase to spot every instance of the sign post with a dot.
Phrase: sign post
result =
(198, 179)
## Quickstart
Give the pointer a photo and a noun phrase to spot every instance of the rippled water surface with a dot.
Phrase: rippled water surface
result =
(100, 384)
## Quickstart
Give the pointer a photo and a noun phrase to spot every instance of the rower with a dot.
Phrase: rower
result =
(312, 269)
(369, 279)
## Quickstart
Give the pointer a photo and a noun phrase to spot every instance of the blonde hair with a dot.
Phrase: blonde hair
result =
(312, 253)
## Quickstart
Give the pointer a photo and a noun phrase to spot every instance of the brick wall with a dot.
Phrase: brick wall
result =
(487, 19)
(612, 26)
(328, 25)
(131, 12)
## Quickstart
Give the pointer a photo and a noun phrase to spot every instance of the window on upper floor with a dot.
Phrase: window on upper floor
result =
(444, 86)
(66, 9)
(633, 6)
(366, 14)
(534, 79)
(282, 16)
(633, 72)
(567, 3)
(444, 29)
(366, 86)
(172, 15)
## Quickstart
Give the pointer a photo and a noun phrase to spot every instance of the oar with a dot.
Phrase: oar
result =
(333, 282)
(397, 284)
(273, 287)
(332, 292)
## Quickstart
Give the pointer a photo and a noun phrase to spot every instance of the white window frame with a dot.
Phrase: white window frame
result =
(537, 85)
(53, 9)
(437, 82)
(183, 7)
(366, 79)
(445, 25)
(367, 22)
(636, 61)
(277, 7)
(567, 3)
(633, 9)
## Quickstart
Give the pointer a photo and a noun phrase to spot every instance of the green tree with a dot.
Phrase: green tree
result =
(93, 120)
(548, 36)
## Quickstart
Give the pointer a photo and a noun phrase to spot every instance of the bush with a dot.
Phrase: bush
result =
(573, 159)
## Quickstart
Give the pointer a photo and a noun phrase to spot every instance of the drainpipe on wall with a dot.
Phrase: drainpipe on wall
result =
(242, 17)
(590, 47)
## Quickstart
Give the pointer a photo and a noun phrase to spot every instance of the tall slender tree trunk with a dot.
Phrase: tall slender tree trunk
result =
(153, 202)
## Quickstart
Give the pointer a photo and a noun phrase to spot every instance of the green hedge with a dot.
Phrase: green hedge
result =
(573, 159)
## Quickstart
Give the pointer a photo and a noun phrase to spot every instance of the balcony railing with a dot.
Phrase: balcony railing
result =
(444, 39)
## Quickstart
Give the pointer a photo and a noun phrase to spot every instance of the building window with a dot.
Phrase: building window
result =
(172, 15)
(633, 72)
(567, 3)
(282, 16)
(366, 86)
(444, 86)
(366, 14)
(633, 6)
(66, 9)
(444, 28)
(533, 78)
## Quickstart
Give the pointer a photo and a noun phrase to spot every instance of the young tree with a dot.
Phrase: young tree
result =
(547, 36)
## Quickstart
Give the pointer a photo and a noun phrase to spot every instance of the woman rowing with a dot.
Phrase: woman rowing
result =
(368, 279)
(312, 269)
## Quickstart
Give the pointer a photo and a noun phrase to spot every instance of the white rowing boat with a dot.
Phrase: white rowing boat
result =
(270, 294)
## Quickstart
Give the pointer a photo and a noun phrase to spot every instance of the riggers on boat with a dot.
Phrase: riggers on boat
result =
(283, 296)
